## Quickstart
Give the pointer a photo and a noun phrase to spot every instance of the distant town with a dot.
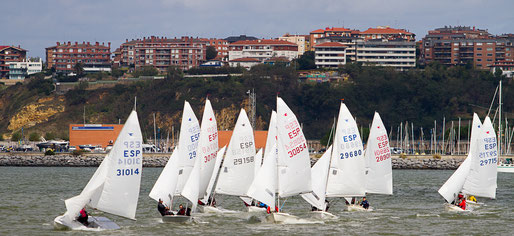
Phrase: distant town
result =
(328, 47)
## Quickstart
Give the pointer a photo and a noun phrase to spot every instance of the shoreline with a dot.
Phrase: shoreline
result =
(160, 160)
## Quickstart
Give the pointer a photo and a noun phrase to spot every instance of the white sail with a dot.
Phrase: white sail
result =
(114, 188)
(455, 183)
(258, 161)
(294, 166)
(164, 187)
(319, 176)
(347, 175)
(481, 180)
(188, 144)
(271, 139)
(379, 170)
(196, 185)
(214, 176)
(238, 168)
(264, 185)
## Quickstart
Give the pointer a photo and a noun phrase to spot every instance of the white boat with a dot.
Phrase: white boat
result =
(114, 187)
(206, 153)
(286, 168)
(355, 207)
(506, 168)
(176, 172)
(477, 174)
(324, 215)
(255, 209)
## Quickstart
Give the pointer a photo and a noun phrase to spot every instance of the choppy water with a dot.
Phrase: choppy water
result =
(31, 197)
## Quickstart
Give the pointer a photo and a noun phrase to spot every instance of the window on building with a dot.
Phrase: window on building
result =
(479, 44)
(479, 59)
(479, 54)
(489, 54)
(489, 49)
(479, 49)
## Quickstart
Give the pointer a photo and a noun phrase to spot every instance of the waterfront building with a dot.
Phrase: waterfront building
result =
(465, 45)
(329, 54)
(297, 39)
(21, 69)
(94, 57)
(10, 54)
(262, 49)
(161, 52)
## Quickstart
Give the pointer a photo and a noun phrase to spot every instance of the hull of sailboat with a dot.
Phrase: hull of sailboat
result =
(95, 223)
(280, 217)
(215, 210)
(453, 208)
(176, 219)
(506, 168)
(323, 215)
(255, 209)
(353, 207)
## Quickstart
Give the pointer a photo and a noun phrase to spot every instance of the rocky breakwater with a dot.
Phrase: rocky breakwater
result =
(84, 160)
(427, 162)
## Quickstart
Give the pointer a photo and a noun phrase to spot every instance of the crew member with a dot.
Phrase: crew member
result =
(163, 209)
(364, 203)
(462, 202)
(181, 210)
(83, 216)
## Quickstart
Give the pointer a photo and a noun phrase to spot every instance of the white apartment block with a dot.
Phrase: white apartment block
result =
(21, 69)
(262, 49)
(297, 39)
(398, 54)
(329, 54)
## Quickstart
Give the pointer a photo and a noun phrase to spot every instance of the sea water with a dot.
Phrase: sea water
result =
(31, 197)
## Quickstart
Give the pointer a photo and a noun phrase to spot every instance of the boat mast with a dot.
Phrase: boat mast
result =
(500, 122)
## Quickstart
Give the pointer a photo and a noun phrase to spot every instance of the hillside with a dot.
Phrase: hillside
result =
(418, 96)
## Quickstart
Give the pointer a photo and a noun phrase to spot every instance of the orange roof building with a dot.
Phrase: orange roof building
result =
(262, 49)
(385, 32)
(94, 134)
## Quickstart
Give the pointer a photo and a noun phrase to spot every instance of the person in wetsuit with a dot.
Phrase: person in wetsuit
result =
(163, 209)
(181, 210)
(83, 216)
(364, 203)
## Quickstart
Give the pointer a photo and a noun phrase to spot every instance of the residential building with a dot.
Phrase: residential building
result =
(399, 54)
(221, 46)
(21, 69)
(10, 54)
(328, 32)
(162, 52)
(329, 54)
(262, 49)
(94, 57)
(465, 45)
(349, 41)
(246, 62)
(233, 39)
(507, 68)
(298, 40)
(385, 32)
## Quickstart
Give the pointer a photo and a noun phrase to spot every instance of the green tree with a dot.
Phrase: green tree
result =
(79, 69)
(117, 72)
(34, 136)
(146, 71)
(16, 136)
(174, 72)
(49, 136)
(210, 53)
(306, 61)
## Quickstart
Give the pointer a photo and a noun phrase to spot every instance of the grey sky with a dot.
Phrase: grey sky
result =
(36, 24)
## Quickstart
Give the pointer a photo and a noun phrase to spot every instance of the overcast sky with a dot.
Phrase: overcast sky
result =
(36, 24)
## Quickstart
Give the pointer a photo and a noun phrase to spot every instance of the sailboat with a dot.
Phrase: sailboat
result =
(347, 166)
(198, 181)
(238, 168)
(114, 187)
(477, 174)
(176, 172)
(292, 166)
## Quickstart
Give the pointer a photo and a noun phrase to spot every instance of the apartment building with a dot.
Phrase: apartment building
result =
(388, 33)
(329, 54)
(221, 46)
(315, 35)
(161, 52)
(10, 54)
(507, 68)
(263, 49)
(398, 53)
(21, 69)
(465, 45)
(64, 56)
(297, 39)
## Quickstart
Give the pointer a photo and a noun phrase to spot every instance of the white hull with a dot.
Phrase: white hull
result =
(324, 215)
(453, 208)
(279, 217)
(353, 207)
(176, 219)
(95, 223)
(506, 168)
(215, 210)
(256, 209)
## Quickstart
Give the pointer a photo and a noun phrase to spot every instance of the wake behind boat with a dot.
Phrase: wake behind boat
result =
(114, 187)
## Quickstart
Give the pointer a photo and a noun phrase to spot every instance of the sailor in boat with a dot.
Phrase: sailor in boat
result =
(261, 205)
(181, 210)
(364, 203)
(163, 209)
(461, 202)
(472, 198)
(83, 216)
(327, 205)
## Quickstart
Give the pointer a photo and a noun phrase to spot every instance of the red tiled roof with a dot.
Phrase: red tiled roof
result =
(264, 42)
(385, 31)
(330, 44)
(4, 47)
(246, 59)
(330, 29)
